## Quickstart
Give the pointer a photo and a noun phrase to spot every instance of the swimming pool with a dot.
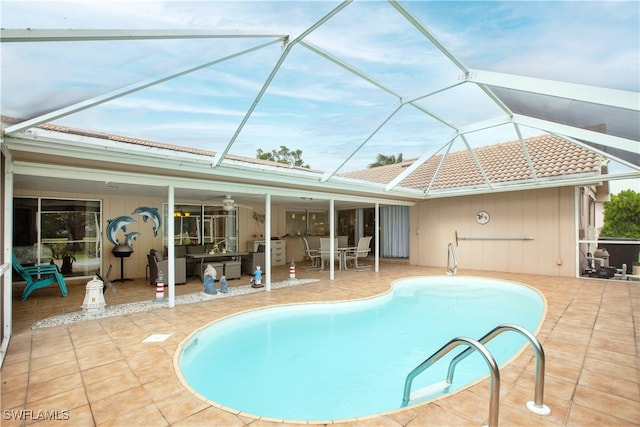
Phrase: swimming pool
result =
(350, 359)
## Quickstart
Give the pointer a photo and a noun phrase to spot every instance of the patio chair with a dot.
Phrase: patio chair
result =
(39, 276)
(251, 261)
(360, 252)
(312, 254)
(325, 253)
(157, 263)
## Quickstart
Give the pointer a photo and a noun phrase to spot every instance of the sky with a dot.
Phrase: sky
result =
(312, 103)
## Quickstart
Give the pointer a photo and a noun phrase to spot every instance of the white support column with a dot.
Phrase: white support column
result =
(377, 233)
(171, 253)
(267, 243)
(332, 235)
(38, 254)
(576, 227)
(7, 281)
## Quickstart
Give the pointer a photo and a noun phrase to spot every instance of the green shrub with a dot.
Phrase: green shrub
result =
(622, 216)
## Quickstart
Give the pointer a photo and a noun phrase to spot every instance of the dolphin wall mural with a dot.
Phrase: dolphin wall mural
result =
(116, 224)
(149, 214)
(122, 222)
(130, 237)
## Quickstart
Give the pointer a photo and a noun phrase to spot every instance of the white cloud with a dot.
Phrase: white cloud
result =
(312, 103)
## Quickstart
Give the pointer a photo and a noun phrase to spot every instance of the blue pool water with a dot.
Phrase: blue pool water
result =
(350, 359)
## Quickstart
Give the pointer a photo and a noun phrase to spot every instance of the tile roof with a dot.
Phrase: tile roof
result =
(153, 144)
(551, 157)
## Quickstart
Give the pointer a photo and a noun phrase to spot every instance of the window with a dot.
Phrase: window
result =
(186, 222)
(52, 230)
(296, 222)
(347, 225)
(318, 223)
(204, 225)
(311, 223)
(220, 228)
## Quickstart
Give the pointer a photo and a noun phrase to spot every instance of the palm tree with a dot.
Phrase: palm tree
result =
(382, 160)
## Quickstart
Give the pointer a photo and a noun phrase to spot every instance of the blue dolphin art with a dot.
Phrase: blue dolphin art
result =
(149, 213)
(130, 237)
(119, 223)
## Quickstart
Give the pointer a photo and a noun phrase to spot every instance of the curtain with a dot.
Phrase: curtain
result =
(394, 233)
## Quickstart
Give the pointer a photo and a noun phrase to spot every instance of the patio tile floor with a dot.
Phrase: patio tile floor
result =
(99, 372)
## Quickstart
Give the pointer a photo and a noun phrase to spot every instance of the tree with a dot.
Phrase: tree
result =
(622, 216)
(382, 160)
(284, 155)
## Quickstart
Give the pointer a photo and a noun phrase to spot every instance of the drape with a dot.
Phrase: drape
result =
(394, 233)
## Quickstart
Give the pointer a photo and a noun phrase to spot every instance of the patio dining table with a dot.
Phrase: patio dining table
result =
(341, 256)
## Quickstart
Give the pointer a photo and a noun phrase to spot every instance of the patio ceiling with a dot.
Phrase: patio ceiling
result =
(342, 82)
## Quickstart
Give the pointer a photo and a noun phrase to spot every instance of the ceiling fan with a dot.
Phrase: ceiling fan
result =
(228, 204)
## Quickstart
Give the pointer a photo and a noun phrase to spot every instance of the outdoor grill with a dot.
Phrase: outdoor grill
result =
(122, 252)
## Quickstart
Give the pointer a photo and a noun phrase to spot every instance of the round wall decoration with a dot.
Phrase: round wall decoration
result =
(482, 217)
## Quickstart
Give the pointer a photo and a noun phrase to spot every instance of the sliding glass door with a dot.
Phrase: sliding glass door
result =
(64, 232)
(204, 225)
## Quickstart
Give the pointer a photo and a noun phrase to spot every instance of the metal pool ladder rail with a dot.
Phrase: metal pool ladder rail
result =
(537, 406)
(451, 256)
(488, 357)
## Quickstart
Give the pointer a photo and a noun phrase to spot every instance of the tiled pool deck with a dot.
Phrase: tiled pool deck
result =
(99, 372)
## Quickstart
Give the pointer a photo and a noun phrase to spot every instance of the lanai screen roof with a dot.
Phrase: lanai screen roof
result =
(340, 81)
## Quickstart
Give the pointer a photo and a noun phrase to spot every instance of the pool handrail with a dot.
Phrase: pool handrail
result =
(537, 406)
(451, 255)
(494, 388)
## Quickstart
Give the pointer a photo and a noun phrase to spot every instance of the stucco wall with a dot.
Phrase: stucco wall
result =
(547, 216)
(135, 265)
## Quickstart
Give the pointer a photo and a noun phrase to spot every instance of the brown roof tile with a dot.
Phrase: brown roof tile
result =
(550, 156)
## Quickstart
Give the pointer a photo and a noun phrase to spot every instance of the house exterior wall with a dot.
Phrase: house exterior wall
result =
(112, 207)
(546, 215)
(135, 265)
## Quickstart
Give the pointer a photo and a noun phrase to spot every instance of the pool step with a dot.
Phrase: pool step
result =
(431, 391)
(190, 345)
